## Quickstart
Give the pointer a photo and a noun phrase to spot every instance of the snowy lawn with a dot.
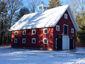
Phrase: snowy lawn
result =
(25, 56)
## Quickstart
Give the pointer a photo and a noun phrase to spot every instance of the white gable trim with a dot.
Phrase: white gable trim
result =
(73, 19)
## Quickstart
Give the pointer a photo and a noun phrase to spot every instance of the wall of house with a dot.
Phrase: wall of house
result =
(49, 36)
(61, 23)
(17, 36)
(40, 35)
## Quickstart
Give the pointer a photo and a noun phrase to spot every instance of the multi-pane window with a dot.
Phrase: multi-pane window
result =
(15, 40)
(72, 30)
(24, 32)
(57, 27)
(33, 31)
(33, 40)
(65, 29)
(23, 40)
(45, 30)
(15, 32)
(45, 41)
(65, 16)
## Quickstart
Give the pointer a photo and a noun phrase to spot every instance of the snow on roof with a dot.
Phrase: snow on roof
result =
(48, 18)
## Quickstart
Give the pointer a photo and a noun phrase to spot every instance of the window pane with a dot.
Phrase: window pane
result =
(33, 31)
(65, 29)
(72, 30)
(33, 40)
(15, 40)
(66, 16)
(57, 27)
(45, 41)
(45, 30)
(24, 32)
(23, 40)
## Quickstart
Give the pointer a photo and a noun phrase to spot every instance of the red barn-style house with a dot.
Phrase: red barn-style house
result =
(53, 29)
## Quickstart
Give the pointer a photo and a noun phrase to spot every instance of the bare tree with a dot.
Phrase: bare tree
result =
(12, 7)
(3, 19)
(32, 4)
(7, 11)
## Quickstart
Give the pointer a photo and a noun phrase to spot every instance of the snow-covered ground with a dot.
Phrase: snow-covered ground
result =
(25, 56)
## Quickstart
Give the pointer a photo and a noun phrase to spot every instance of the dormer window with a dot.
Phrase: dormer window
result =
(45, 30)
(57, 27)
(72, 30)
(33, 31)
(65, 16)
(40, 7)
(24, 32)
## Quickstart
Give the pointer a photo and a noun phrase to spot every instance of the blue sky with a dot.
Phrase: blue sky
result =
(62, 1)
(25, 2)
(72, 3)
(45, 1)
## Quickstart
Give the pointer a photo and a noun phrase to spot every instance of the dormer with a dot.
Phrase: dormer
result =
(41, 7)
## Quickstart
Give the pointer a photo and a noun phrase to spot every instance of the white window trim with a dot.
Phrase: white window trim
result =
(65, 16)
(57, 27)
(23, 39)
(15, 40)
(15, 32)
(44, 40)
(33, 39)
(33, 31)
(44, 30)
(72, 30)
(24, 32)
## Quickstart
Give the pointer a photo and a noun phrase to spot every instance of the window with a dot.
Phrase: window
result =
(65, 16)
(15, 40)
(15, 32)
(45, 41)
(33, 31)
(72, 30)
(40, 7)
(45, 30)
(33, 40)
(24, 32)
(65, 29)
(23, 40)
(57, 27)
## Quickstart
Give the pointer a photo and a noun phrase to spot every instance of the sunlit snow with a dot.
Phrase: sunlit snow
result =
(25, 56)
(47, 18)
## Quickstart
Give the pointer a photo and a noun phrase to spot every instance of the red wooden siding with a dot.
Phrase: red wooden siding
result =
(49, 36)
(39, 38)
(61, 23)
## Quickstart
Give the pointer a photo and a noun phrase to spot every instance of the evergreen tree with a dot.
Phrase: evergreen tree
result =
(7, 11)
(3, 20)
(23, 11)
(54, 3)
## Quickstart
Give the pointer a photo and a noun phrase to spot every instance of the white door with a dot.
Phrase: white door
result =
(65, 42)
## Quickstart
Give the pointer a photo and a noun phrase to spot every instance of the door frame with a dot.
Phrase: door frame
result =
(58, 42)
(65, 42)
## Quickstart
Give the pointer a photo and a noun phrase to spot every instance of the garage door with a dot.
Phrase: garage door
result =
(65, 42)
